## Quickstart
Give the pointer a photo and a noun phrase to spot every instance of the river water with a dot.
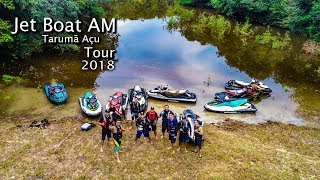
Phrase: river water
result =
(150, 54)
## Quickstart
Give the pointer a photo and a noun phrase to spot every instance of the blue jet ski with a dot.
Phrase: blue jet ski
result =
(90, 104)
(56, 93)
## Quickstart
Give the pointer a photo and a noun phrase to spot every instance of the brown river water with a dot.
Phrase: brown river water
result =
(151, 54)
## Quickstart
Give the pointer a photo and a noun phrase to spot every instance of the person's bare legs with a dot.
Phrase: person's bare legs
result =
(102, 145)
(185, 147)
(179, 146)
(110, 142)
(155, 134)
(199, 154)
(117, 156)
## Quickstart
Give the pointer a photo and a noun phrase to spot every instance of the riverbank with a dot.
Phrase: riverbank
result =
(232, 150)
(297, 16)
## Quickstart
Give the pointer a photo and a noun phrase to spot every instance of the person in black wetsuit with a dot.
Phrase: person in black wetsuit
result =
(105, 121)
(117, 137)
(143, 126)
(184, 132)
(173, 129)
(135, 109)
(198, 133)
(165, 116)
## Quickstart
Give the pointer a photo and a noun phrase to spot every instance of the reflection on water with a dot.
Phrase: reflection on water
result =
(150, 55)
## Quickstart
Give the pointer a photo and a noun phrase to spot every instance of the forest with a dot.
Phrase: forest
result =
(301, 16)
(24, 44)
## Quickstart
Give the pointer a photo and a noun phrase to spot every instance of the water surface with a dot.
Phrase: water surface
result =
(151, 54)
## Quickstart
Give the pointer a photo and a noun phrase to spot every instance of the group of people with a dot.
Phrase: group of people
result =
(146, 123)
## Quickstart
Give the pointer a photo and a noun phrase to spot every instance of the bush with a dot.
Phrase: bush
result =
(7, 79)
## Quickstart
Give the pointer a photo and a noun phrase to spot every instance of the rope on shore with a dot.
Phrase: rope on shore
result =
(72, 132)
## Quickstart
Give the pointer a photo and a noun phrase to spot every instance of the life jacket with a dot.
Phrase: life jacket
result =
(185, 127)
(152, 115)
(197, 135)
(172, 126)
(143, 124)
(135, 107)
(105, 121)
(117, 109)
(118, 134)
(165, 115)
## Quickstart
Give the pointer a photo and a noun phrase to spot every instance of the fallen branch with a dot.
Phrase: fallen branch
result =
(57, 146)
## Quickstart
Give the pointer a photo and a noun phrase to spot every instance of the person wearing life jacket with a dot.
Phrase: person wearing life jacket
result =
(117, 112)
(198, 133)
(165, 116)
(173, 129)
(152, 116)
(143, 126)
(105, 121)
(117, 137)
(135, 109)
(184, 132)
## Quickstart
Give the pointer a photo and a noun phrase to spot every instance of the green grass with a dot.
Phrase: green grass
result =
(231, 151)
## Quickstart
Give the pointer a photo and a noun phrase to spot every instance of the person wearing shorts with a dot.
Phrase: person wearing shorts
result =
(173, 129)
(105, 121)
(184, 133)
(135, 109)
(117, 137)
(165, 116)
(152, 117)
(198, 133)
(143, 126)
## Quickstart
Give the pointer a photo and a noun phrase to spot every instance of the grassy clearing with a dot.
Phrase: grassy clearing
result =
(232, 151)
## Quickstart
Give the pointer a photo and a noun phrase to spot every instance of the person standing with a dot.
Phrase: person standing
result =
(173, 129)
(116, 112)
(105, 121)
(143, 126)
(198, 133)
(184, 133)
(165, 116)
(152, 116)
(135, 109)
(117, 137)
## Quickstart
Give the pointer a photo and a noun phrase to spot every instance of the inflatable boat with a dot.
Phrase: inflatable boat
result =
(175, 95)
(56, 93)
(233, 107)
(141, 95)
(256, 85)
(90, 104)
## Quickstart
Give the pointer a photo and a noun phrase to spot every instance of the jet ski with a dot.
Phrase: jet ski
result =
(248, 93)
(116, 98)
(90, 104)
(231, 107)
(141, 95)
(191, 117)
(56, 93)
(256, 85)
(176, 95)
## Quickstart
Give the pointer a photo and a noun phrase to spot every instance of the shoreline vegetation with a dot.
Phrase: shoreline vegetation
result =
(232, 150)
(297, 15)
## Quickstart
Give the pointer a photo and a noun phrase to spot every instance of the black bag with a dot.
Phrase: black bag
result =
(87, 126)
